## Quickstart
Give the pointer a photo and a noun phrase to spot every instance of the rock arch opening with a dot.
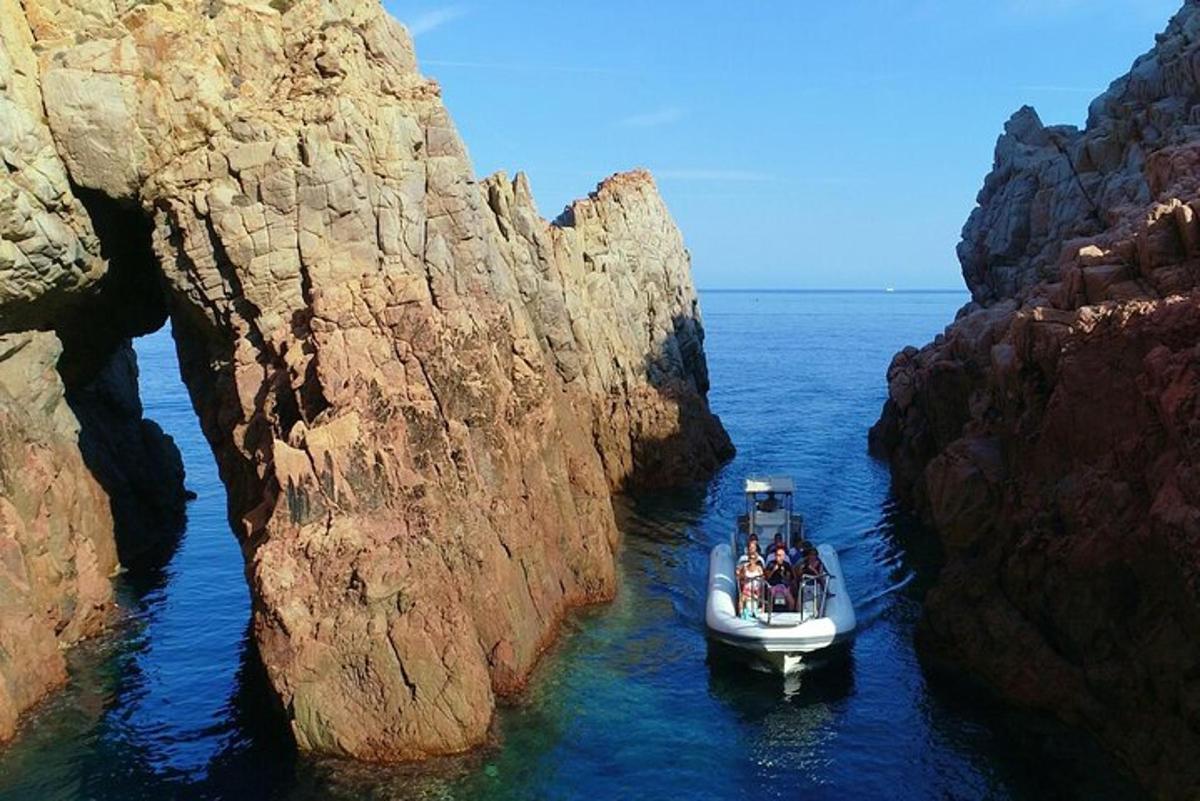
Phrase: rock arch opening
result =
(134, 461)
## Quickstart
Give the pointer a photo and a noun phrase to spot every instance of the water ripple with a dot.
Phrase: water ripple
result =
(633, 702)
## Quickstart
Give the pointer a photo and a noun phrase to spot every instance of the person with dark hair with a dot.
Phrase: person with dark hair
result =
(779, 576)
(813, 567)
(796, 552)
(768, 504)
(777, 543)
(812, 564)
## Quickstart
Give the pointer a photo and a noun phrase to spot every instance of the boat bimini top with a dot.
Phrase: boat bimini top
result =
(769, 511)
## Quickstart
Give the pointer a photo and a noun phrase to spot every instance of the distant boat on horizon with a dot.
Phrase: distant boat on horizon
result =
(889, 289)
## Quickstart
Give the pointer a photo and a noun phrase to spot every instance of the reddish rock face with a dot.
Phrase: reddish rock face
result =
(73, 445)
(56, 536)
(420, 394)
(1052, 435)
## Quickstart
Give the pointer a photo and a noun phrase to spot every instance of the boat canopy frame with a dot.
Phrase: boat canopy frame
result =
(769, 511)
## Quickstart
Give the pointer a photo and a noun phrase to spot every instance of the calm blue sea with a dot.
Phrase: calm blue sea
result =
(631, 704)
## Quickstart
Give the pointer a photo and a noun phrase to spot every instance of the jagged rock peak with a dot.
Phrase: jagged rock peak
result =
(1050, 186)
(610, 288)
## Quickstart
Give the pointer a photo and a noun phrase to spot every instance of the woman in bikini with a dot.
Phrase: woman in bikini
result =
(751, 581)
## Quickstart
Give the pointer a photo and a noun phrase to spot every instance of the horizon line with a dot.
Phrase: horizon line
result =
(882, 290)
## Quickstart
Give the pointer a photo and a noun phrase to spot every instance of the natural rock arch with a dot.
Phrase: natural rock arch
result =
(401, 371)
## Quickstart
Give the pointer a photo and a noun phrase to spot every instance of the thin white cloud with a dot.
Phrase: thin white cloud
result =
(1040, 8)
(1044, 10)
(509, 67)
(1072, 90)
(653, 119)
(704, 174)
(433, 19)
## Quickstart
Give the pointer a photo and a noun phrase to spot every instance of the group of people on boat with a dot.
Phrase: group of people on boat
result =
(779, 576)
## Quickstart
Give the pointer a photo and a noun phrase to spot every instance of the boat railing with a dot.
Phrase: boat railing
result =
(766, 598)
(812, 596)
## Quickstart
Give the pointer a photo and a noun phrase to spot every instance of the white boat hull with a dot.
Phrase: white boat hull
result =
(783, 640)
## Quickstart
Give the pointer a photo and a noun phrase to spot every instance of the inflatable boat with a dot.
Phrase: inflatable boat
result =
(755, 614)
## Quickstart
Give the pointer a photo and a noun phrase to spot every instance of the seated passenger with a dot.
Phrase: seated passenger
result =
(796, 552)
(812, 566)
(751, 585)
(776, 544)
(743, 561)
(779, 577)
(751, 543)
(768, 504)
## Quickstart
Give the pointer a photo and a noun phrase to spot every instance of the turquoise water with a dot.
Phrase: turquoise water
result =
(631, 703)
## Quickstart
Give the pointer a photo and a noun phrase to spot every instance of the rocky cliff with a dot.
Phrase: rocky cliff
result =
(609, 287)
(1052, 434)
(419, 393)
(57, 532)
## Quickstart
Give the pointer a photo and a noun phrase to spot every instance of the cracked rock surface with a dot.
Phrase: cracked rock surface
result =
(1052, 434)
(56, 533)
(420, 394)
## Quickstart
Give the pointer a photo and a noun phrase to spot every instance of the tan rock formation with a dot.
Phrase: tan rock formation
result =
(1052, 434)
(48, 250)
(609, 287)
(56, 536)
(419, 393)
(57, 546)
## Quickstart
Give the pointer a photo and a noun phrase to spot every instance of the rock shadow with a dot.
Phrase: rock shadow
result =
(697, 445)
(136, 463)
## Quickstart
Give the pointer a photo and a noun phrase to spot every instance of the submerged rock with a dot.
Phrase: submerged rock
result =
(1052, 435)
(420, 394)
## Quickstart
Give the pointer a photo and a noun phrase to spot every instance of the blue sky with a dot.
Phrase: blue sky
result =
(798, 144)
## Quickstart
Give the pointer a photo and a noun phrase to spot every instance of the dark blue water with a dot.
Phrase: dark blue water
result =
(631, 703)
